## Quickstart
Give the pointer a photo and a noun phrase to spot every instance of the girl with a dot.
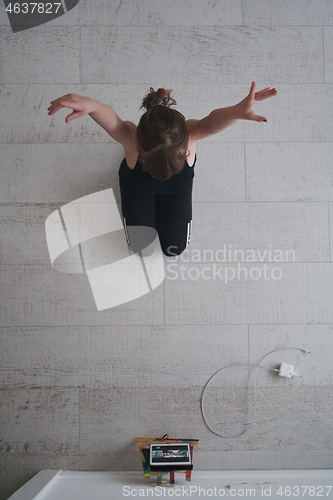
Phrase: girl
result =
(157, 172)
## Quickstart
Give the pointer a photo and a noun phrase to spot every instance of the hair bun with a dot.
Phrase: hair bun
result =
(155, 98)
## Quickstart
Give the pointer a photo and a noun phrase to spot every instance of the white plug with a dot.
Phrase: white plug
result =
(287, 371)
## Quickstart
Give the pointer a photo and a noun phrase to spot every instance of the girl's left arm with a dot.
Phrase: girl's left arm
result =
(222, 118)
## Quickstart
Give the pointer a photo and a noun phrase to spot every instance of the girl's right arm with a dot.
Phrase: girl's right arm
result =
(102, 114)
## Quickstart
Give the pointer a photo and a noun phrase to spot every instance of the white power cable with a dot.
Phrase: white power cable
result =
(258, 365)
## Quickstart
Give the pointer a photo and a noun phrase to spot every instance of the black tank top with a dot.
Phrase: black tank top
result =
(142, 180)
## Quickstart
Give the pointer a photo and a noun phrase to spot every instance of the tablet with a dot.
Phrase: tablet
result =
(170, 454)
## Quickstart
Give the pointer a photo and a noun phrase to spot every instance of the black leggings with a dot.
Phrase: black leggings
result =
(169, 214)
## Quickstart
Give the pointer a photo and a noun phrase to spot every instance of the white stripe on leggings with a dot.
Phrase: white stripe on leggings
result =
(126, 233)
(189, 228)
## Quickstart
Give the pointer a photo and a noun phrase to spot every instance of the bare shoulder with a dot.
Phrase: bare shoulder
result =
(198, 129)
(194, 129)
(191, 124)
(130, 126)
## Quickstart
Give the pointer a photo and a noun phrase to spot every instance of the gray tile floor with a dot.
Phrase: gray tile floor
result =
(77, 385)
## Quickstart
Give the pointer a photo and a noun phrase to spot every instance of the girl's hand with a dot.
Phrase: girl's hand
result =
(245, 106)
(79, 104)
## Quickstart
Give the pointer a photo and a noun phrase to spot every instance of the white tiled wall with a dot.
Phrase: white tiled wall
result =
(78, 385)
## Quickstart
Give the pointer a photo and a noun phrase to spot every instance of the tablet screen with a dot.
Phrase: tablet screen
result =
(170, 454)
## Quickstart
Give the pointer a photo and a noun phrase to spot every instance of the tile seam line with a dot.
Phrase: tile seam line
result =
(117, 83)
(78, 388)
(162, 325)
(204, 325)
(323, 42)
(111, 143)
(224, 202)
(80, 56)
(183, 82)
(181, 26)
(176, 26)
(245, 174)
(317, 262)
(329, 232)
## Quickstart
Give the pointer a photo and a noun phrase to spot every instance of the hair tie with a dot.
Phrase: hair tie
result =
(156, 101)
